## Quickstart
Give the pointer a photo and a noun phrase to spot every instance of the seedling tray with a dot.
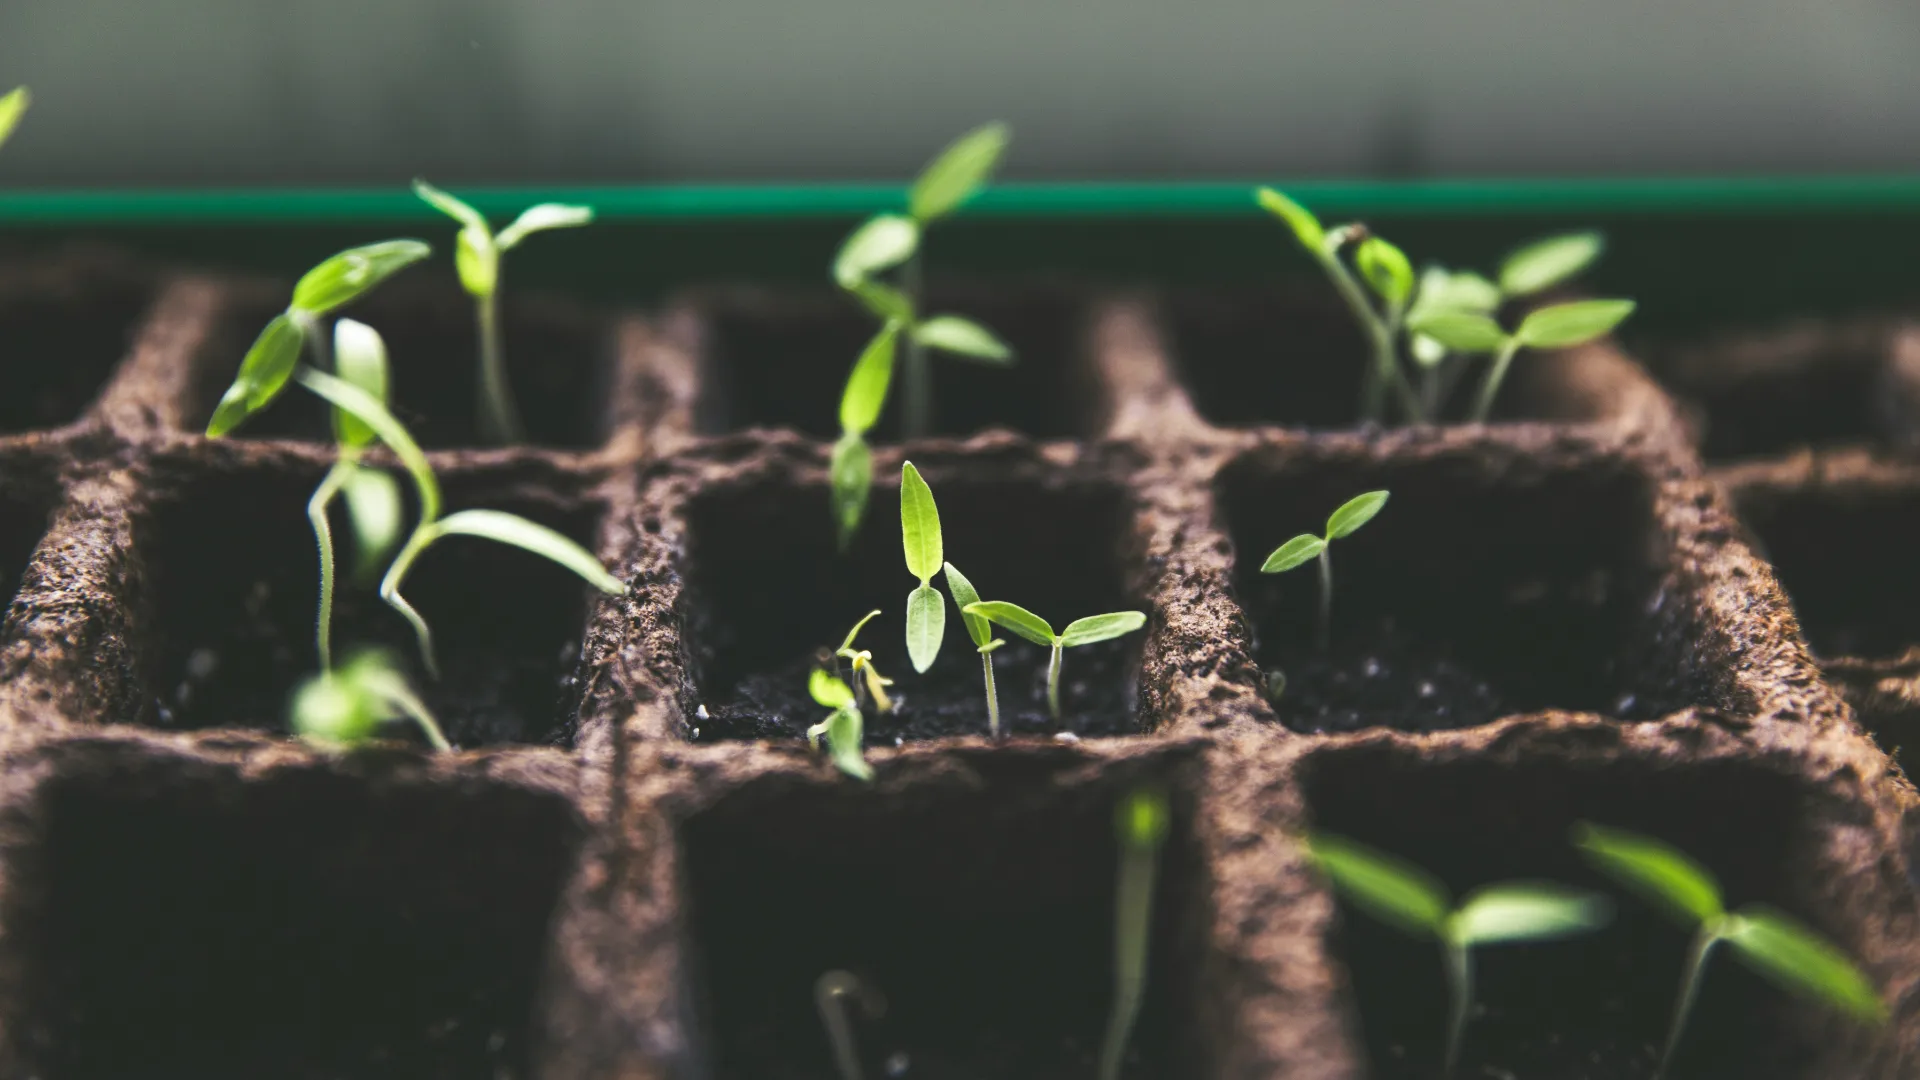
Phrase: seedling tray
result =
(634, 867)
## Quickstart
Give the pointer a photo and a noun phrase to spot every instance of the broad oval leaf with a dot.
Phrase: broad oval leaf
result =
(960, 170)
(458, 210)
(1015, 618)
(541, 218)
(1446, 290)
(12, 107)
(919, 525)
(531, 536)
(1654, 869)
(880, 243)
(350, 274)
(362, 405)
(1526, 911)
(1385, 268)
(866, 392)
(1542, 264)
(884, 301)
(845, 736)
(828, 691)
(1301, 549)
(963, 593)
(926, 627)
(360, 358)
(1306, 228)
(964, 337)
(1461, 331)
(1354, 513)
(851, 472)
(374, 509)
(477, 260)
(1803, 961)
(1564, 325)
(1101, 628)
(334, 710)
(1392, 889)
(1141, 820)
(263, 374)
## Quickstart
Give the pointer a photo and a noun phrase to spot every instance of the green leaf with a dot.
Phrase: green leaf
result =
(1545, 263)
(352, 273)
(334, 710)
(851, 472)
(926, 627)
(847, 645)
(828, 691)
(963, 593)
(960, 170)
(1444, 290)
(12, 107)
(360, 358)
(364, 406)
(1803, 961)
(1565, 325)
(1141, 820)
(1461, 331)
(845, 735)
(467, 216)
(1653, 869)
(1015, 618)
(951, 333)
(542, 218)
(866, 392)
(1301, 549)
(884, 301)
(477, 260)
(1386, 269)
(1393, 890)
(1519, 911)
(880, 243)
(263, 374)
(919, 525)
(1101, 628)
(516, 531)
(373, 507)
(1426, 351)
(1354, 513)
(1306, 228)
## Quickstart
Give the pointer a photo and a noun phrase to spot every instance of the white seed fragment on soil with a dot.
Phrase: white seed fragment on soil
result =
(1065, 737)
(898, 1064)
(1371, 669)
(202, 663)
(701, 712)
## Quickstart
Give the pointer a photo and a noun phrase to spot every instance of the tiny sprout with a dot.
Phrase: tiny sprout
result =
(863, 672)
(1087, 631)
(1414, 902)
(13, 105)
(1141, 822)
(920, 537)
(830, 992)
(1343, 522)
(1558, 326)
(1767, 940)
(476, 256)
(343, 707)
(981, 631)
(843, 727)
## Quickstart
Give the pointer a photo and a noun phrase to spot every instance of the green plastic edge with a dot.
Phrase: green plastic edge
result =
(694, 202)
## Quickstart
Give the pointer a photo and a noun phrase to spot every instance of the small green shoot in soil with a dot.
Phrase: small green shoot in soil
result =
(13, 106)
(843, 727)
(831, 992)
(1087, 631)
(1557, 326)
(1768, 941)
(984, 643)
(1141, 821)
(342, 708)
(866, 678)
(476, 256)
(920, 537)
(860, 405)
(1413, 901)
(1343, 522)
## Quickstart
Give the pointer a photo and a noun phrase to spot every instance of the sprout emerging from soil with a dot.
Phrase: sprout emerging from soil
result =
(843, 727)
(831, 992)
(476, 255)
(981, 631)
(860, 405)
(1343, 522)
(920, 537)
(342, 708)
(1141, 820)
(1087, 631)
(1557, 326)
(13, 105)
(1413, 901)
(865, 675)
(1766, 940)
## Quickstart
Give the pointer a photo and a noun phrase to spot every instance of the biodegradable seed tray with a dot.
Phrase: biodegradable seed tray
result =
(635, 868)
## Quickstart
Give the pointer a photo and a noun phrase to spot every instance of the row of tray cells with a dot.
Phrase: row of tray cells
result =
(195, 922)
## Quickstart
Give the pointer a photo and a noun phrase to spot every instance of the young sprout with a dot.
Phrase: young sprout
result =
(13, 105)
(1343, 522)
(1087, 631)
(1141, 821)
(860, 405)
(981, 631)
(476, 255)
(1413, 901)
(920, 537)
(830, 994)
(865, 676)
(843, 727)
(1768, 941)
(343, 707)
(1557, 326)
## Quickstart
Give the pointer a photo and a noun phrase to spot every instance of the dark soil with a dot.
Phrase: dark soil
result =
(25, 503)
(1384, 685)
(64, 326)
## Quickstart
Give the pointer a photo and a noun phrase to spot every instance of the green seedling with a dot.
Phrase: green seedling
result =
(920, 537)
(981, 631)
(343, 707)
(13, 105)
(1768, 941)
(1557, 326)
(1087, 631)
(831, 991)
(1141, 820)
(843, 727)
(1413, 901)
(1343, 522)
(860, 404)
(864, 675)
(476, 256)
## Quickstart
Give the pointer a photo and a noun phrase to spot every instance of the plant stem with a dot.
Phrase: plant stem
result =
(1460, 985)
(1491, 384)
(417, 709)
(1053, 681)
(323, 536)
(1326, 598)
(830, 992)
(498, 419)
(1703, 943)
(1132, 921)
(993, 697)
(1386, 365)
(423, 535)
(916, 421)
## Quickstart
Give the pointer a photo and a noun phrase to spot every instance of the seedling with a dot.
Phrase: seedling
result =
(1558, 326)
(476, 256)
(831, 991)
(981, 631)
(920, 537)
(1768, 941)
(13, 105)
(864, 675)
(1413, 901)
(1343, 522)
(343, 707)
(843, 727)
(1087, 631)
(860, 405)
(1141, 821)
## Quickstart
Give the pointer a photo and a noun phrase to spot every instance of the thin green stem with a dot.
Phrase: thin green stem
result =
(1483, 405)
(1430, 391)
(1703, 943)
(830, 994)
(499, 420)
(1325, 635)
(1132, 921)
(423, 535)
(1460, 985)
(1053, 681)
(323, 536)
(993, 696)
(1386, 363)
(916, 420)
(417, 709)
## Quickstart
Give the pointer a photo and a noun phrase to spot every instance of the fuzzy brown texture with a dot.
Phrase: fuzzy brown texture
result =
(595, 890)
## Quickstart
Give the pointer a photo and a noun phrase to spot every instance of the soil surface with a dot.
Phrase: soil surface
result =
(65, 324)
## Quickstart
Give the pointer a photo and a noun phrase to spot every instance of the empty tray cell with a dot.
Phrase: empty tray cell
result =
(233, 574)
(65, 324)
(559, 359)
(768, 593)
(1493, 583)
(1595, 1005)
(185, 922)
(777, 360)
(983, 913)
(26, 503)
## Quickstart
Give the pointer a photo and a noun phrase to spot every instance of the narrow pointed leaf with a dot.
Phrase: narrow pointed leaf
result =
(845, 734)
(1386, 269)
(542, 218)
(1527, 912)
(963, 337)
(1301, 549)
(1101, 628)
(880, 243)
(885, 301)
(374, 509)
(1306, 228)
(1461, 331)
(454, 208)
(855, 632)
(1565, 325)
(360, 358)
(1655, 870)
(827, 690)
(851, 472)
(1015, 618)
(1545, 263)
(531, 536)
(1391, 889)
(962, 591)
(263, 374)
(926, 627)
(364, 406)
(12, 107)
(347, 276)
(1354, 513)
(919, 525)
(960, 171)
(866, 392)
(1804, 962)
